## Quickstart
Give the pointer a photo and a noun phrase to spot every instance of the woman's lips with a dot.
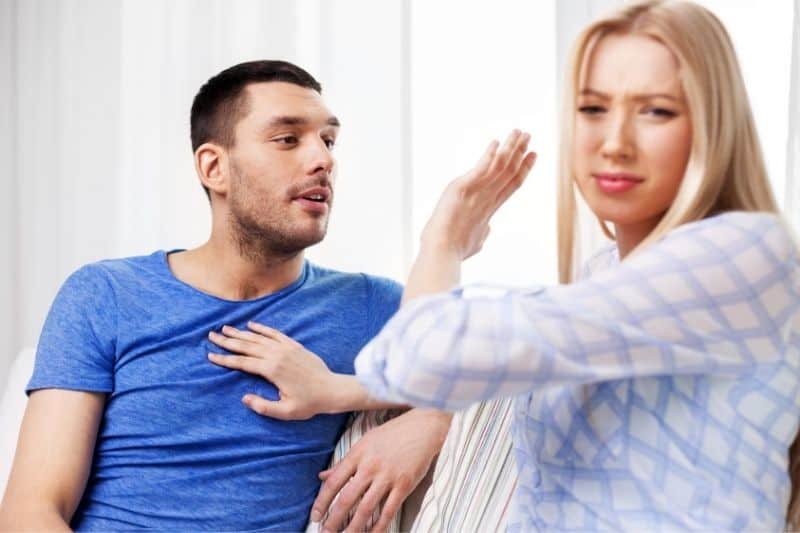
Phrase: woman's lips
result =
(616, 182)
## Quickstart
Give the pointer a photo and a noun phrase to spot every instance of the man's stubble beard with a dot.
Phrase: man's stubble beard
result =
(262, 235)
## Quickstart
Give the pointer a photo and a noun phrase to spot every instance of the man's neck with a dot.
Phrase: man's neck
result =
(219, 269)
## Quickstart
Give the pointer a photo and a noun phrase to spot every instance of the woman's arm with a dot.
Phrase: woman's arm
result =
(717, 296)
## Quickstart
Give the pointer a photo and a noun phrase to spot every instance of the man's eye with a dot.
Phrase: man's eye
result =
(591, 109)
(289, 139)
(329, 143)
(660, 112)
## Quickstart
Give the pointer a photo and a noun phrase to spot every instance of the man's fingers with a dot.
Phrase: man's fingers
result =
(368, 505)
(336, 479)
(325, 474)
(390, 508)
(347, 500)
(238, 362)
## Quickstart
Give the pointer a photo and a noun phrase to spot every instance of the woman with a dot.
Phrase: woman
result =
(661, 391)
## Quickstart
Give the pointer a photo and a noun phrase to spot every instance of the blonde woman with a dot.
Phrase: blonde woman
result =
(660, 390)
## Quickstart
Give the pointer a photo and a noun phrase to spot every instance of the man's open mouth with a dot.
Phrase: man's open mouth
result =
(316, 194)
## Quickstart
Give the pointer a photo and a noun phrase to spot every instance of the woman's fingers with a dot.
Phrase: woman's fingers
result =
(517, 179)
(237, 362)
(232, 332)
(268, 332)
(234, 345)
(487, 158)
(504, 154)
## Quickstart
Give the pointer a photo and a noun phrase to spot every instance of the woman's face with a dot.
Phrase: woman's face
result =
(632, 132)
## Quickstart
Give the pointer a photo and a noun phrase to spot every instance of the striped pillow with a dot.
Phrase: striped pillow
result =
(475, 474)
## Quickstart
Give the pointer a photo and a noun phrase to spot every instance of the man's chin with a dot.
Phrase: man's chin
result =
(294, 244)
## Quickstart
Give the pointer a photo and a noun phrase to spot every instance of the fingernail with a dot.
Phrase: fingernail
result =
(211, 355)
(316, 516)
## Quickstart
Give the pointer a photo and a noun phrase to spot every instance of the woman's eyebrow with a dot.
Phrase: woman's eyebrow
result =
(639, 96)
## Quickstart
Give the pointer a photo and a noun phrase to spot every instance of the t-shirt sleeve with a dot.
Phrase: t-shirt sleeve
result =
(383, 301)
(77, 346)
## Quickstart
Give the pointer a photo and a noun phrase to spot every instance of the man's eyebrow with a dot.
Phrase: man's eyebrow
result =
(643, 96)
(287, 120)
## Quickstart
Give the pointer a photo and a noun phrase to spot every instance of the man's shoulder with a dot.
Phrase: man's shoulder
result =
(374, 286)
(119, 268)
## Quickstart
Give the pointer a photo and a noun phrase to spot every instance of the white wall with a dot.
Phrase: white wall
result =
(491, 67)
(94, 112)
(8, 193)
(99, 163)
(762, 35)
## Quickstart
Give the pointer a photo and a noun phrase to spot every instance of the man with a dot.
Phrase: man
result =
(129, 424)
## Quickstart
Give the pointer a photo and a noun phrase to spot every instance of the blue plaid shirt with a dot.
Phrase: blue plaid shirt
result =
(659, 393)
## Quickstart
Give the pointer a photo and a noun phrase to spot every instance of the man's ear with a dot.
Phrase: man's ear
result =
(211, 164)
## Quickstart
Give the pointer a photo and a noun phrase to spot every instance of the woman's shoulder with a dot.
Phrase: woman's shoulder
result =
(747, 221)
(753, 238)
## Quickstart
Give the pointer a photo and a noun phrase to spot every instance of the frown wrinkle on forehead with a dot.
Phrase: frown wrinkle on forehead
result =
(632, 66)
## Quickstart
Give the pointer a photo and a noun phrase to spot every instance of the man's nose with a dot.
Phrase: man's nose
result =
(619, 143)
(320, 157)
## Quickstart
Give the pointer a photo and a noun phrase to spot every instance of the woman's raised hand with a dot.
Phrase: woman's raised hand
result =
(459, 224)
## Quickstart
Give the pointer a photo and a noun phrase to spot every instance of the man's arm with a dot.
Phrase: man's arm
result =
(53, 459)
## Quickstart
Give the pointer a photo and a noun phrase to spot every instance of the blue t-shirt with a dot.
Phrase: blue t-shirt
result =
(176, 448)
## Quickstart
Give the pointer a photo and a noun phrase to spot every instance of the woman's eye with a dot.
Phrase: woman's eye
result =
(289, 139)
(329, 143)
(591, 109)
(660, 112)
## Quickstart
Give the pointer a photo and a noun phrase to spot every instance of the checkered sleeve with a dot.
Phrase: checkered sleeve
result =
(716, 296)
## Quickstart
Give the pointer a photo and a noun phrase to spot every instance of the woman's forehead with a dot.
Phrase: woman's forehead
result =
(631, 64)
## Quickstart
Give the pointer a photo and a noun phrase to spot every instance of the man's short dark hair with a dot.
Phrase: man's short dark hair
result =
(222, 101)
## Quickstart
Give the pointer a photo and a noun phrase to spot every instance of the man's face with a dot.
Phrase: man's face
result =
(281, 167)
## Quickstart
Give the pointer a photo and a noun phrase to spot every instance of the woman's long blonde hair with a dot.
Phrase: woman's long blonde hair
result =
(726, 168)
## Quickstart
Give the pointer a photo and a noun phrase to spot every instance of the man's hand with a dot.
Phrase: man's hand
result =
(307, 387)
(386, 465)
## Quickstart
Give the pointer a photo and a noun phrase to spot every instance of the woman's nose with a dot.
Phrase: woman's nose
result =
(619, 142)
